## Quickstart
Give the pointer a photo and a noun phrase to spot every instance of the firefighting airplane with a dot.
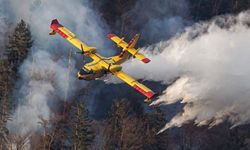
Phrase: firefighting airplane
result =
(101, 65)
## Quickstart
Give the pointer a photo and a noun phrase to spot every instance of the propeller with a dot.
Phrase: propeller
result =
(82, 53)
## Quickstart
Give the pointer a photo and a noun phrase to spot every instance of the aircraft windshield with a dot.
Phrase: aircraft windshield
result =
(84, 71)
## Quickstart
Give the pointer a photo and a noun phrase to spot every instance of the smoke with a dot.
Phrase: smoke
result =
(3, 27)
(45, 75)
(160, 20)
(210, 62)
(209, 59)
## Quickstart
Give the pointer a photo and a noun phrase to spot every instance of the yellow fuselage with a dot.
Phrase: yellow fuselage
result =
(96, 69)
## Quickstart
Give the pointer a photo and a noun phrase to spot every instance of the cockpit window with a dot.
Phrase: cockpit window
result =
(84, 71)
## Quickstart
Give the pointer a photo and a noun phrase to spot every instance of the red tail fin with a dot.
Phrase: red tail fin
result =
(54, 22)
(133, 41)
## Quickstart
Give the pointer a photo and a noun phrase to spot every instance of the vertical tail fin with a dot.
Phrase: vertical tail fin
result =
(55, 25)
(133, 41)
(134, 52)
(54, 22)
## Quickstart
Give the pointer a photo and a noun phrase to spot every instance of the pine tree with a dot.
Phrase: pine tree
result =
(5, 88)
(81, 126)
(17, 49)
(124, 129)
(48, 136)
(19, 44)
(155, 121)
(119, 111)
(57, 128)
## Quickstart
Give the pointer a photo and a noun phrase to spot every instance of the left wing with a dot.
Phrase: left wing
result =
(71, 37)
(135, 84)
(85, 49)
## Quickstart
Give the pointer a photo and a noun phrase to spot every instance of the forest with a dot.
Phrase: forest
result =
(118, 120)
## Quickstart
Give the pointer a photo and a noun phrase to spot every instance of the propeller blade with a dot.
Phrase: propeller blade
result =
(82, 49)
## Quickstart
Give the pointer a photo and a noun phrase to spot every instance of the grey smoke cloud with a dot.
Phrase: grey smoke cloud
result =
(3, 27)
(161, 19)
(213, 80)
(163, 28)
(45, 75)
(211, 60)
(77, 15)
(42, 80)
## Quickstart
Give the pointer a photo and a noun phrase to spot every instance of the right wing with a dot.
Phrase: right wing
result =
(135, 84)
(71, 37)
